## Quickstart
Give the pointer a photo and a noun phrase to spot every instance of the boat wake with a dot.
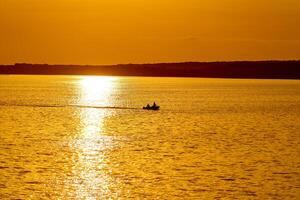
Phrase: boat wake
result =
(67, 106)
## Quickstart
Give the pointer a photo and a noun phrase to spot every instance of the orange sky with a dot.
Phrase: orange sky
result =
(139, 31)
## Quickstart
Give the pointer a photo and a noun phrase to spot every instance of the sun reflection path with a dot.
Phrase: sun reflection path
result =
(92, 180)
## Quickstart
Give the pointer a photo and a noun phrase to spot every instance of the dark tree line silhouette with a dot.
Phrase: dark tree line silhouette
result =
(237, 69)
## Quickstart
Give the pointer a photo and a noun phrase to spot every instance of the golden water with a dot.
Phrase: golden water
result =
(79, 137)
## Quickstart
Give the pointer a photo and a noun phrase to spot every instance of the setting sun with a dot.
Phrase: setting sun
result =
(96, 89)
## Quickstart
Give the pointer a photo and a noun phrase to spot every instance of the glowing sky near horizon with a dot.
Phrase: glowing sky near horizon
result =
(139, 31)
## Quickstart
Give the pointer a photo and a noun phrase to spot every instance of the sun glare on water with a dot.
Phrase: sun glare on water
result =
(91, 180)
(96, 89)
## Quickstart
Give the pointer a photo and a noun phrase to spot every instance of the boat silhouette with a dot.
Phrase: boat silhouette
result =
(153, 107)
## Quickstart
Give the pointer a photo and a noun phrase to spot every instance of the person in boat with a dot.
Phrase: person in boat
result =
(154, 104)
(148, 106)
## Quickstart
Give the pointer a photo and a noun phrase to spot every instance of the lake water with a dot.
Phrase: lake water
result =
(83, 137)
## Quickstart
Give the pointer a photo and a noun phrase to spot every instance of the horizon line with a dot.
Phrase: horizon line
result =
(153, 63)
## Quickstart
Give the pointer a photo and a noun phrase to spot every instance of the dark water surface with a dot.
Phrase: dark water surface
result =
(80, 137)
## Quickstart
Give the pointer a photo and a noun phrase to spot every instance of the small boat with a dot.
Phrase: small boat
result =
(154, 107)
(151, 108)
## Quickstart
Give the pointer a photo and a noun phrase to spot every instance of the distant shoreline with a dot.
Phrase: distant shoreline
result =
(235, 69)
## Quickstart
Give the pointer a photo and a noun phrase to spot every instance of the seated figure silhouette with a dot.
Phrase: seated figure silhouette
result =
(153, 107)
